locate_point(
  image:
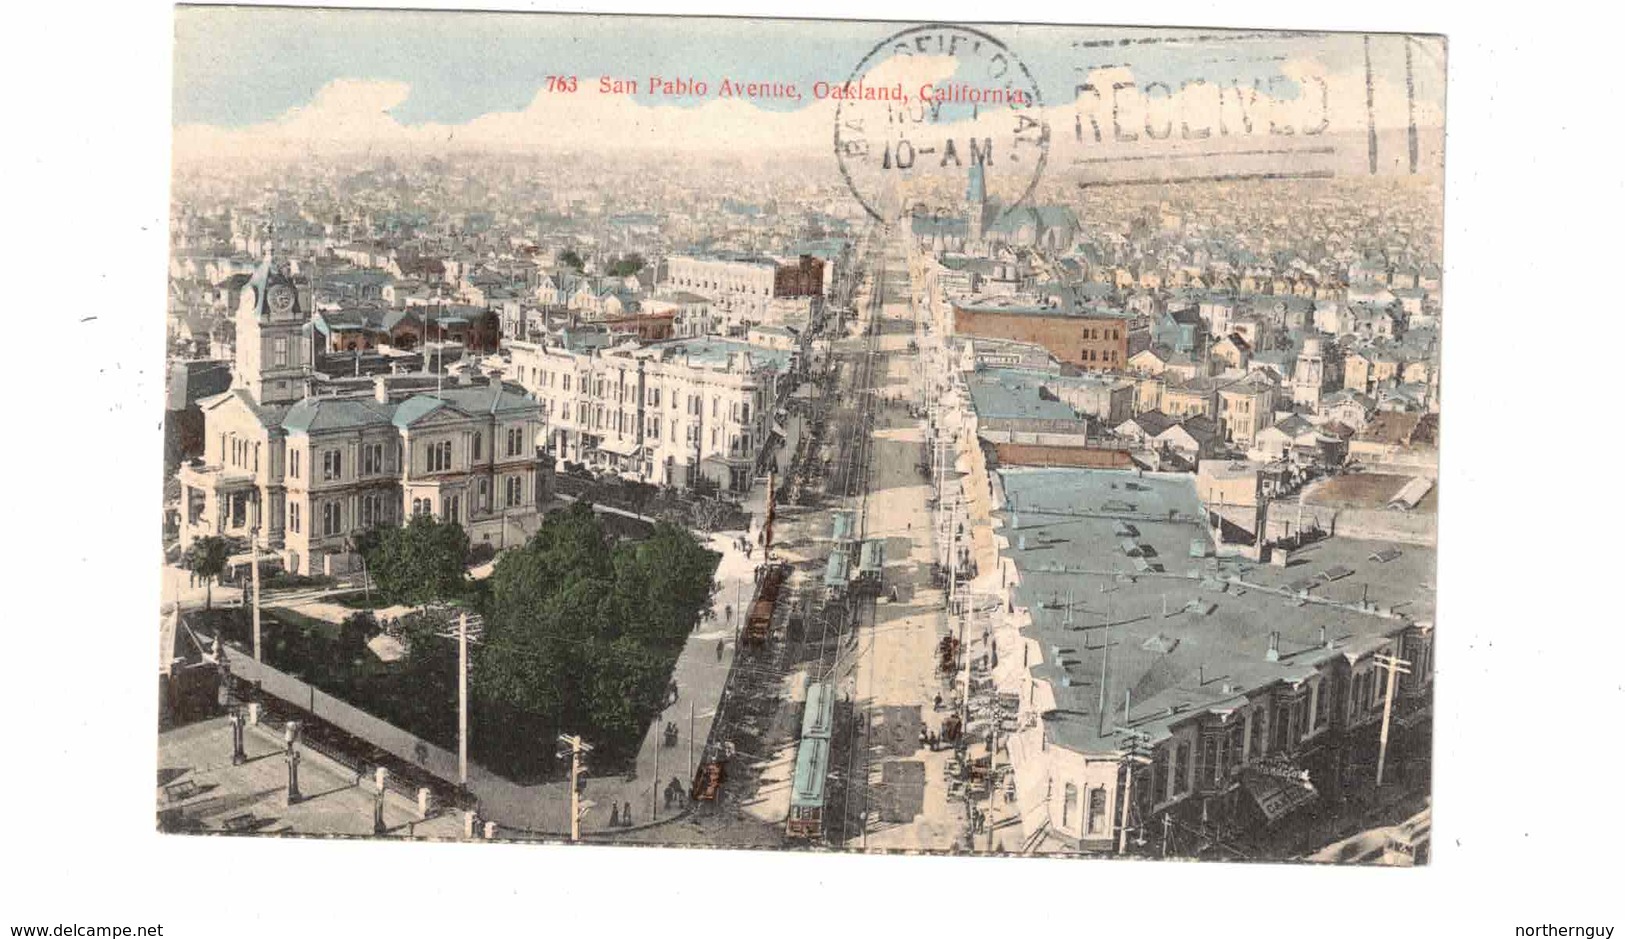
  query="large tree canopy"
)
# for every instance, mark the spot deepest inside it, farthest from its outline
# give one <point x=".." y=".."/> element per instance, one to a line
<point x="581" y="633"/>
<point x="418" y="563"/>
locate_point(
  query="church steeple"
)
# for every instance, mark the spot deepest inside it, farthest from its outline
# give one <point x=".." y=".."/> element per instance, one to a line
<point x="976" y="203"/>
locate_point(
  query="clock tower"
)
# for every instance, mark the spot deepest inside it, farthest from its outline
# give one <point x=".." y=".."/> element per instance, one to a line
<point x="273" y="345"/>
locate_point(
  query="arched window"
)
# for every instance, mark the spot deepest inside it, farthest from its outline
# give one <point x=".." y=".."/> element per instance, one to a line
<point x="1097" y="811"/>
<point x="477" y="445"/>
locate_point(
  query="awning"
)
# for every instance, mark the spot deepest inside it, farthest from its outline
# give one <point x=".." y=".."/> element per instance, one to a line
<point x="619" y="447"/>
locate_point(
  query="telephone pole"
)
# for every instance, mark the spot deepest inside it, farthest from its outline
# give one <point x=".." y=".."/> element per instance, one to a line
<point x="254" y="561"/>
<point x="1134" y="756"/>
<point x="1395" y="666"/>
<point x="462" y="700"/>
<point x="577" y="747"/>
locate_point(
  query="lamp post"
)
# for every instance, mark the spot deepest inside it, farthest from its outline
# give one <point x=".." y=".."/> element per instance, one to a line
<point x="291" y="754"/>
<point x="229" y="702"/>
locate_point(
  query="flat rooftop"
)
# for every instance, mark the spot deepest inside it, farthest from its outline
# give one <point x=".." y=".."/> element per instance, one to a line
<point x="998" y="393"/>
<point x="1365" y="491"/>
<point x="1121" y="548"/>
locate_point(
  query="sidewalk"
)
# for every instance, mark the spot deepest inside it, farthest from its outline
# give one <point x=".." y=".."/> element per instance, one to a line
<point x="334" y="803"/>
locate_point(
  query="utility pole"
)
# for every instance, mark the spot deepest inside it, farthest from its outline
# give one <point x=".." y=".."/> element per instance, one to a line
<point x="254" y="560"/>
<point x="691" y="739"/>
<point x="577" y="747"/>
<point x="1134" y="756"/>
<point x="462" y="700"/>
<point x="1396" y="667"/>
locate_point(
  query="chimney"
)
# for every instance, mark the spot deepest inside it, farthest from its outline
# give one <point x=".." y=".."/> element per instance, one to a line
<point x="1274" y="653"/>
<point x="1201" y="674"/>
<point x="1323" y="636"/>
<point x="380" y="389"/>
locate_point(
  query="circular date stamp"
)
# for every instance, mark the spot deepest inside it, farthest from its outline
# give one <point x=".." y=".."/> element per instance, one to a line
<point x="937" y="117"/>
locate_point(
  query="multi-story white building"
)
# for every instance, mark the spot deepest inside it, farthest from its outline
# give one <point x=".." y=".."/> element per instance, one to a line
<point x="303" y="473"/>
<point x="741" y="283"/>
<point x="667" y="413"/>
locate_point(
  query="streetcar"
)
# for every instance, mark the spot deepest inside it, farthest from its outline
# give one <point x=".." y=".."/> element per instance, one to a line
<point x="836" y="574"/>
<point x="759" y="619"/>
<point x="841" y="526"/>
<point x="806" y="818"/>
<point x="807" y="798"/>
<point x="871" y="563"/>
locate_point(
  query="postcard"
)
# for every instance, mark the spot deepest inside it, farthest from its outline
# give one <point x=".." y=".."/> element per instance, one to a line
<point x="802" y="434"/>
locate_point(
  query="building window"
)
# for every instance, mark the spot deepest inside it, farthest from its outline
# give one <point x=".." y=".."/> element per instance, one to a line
<point x="282" y="352"/>
<point x="1280" y="727"/>
<point x="1207" y="762"/>
<point x="372" y="510"/>
<point x="438" y="457"/>
<point x="478" y="445"/>
<point x="1069" y="805"/>
<point x="1161" y="771"/>
<point x="293" y="517"/>
<point x="483" y="501"/>
<point x="1097" y="810"/>
<point x="1182" y="768"/>
<point x="332" y="518"/>
<point x="372" y="459"/>
<point x="332" y="464"/>
<point x="293" y="463"/>
<point x="515" y="490"/>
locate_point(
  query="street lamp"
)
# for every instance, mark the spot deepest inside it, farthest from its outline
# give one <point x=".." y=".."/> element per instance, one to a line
<point x="229" y="703"/>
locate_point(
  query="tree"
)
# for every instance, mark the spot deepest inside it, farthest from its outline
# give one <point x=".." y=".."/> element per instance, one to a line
<point x="581" y="631"/>
<point x="707" y="512"/>
<point x="207" y="559"/>
<point x="627" y="266"/>
<point x="569" y="258"/>
<point x="420" y="562"/>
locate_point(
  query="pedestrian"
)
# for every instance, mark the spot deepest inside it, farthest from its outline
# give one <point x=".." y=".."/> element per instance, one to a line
<point x="719" y="650"/>
<point x="626" y="815"/>
<point x="728" y="613"/>
<point x="614" y="815"/>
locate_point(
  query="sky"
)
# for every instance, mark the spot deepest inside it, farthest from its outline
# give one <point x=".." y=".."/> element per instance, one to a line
<point x="258" y="77"/>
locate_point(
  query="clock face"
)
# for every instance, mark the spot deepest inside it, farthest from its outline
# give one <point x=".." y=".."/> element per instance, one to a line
<point x="281" y="298"/>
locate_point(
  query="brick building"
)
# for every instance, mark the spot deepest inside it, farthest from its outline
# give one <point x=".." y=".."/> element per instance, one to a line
<point x="1091" y="338"/>
<point x="805" y="278"/>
